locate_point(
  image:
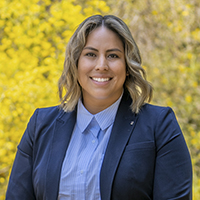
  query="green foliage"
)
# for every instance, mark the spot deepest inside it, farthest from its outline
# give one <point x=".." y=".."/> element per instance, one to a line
<point x="168" y="35"/>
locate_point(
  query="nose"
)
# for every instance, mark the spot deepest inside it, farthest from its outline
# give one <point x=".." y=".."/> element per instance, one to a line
<point x="101" y="63"/>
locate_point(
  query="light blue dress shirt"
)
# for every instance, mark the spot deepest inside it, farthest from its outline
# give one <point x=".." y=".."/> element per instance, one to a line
<point x="82" y="164"/>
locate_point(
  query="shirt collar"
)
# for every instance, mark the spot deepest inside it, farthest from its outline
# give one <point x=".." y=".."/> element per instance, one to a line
<point x="104" y="118"/>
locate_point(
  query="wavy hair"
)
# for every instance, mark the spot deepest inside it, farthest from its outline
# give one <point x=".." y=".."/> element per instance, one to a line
<point x="138" y="87"/>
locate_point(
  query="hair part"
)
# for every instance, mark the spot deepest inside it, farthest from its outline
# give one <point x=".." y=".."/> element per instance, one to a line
<point x="138" y="87"/>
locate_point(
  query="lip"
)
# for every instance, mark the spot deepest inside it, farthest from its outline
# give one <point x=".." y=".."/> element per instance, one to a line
<point x="100" y="81"/>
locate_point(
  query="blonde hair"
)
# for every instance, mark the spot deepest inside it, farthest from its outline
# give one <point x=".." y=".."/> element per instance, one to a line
<point x="138" y="87"/>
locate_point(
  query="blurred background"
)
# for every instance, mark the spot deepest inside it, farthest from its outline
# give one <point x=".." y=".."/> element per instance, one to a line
<point x="33" y="37"/>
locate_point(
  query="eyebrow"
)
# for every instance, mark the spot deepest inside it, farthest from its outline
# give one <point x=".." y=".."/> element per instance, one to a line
<point x="109" y="50"/>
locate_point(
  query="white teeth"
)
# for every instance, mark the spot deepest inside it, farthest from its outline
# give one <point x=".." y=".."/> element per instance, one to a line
<point x="100" y="79"/>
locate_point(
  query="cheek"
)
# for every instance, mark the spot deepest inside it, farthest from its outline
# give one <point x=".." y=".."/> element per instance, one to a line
<point x="122" y="73"/>
<point x="80" y="77"/>
<point x="122" y="77"/>
<point x="79" y="73"/>
<point x="82" y="74"/>
<point x="83" y="66"/>
<point x="80" y="68"/>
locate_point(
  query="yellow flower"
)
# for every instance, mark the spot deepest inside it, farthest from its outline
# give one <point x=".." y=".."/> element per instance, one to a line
<point x="188" y="99"/>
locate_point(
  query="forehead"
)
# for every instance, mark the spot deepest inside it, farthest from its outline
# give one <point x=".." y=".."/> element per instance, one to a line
<point x="102" y="36"/>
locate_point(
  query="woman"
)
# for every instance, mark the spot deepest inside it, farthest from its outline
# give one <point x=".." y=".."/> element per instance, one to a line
<point x="104" y="141"/>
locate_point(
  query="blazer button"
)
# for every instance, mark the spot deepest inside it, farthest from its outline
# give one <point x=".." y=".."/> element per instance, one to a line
<point x="132" y="123"/>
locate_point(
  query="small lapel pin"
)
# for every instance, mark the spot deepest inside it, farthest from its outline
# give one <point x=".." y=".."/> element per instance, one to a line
<point x="132" y="123"/>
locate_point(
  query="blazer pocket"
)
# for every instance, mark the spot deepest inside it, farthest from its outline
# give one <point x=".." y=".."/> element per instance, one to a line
<point x="140" y="146"/>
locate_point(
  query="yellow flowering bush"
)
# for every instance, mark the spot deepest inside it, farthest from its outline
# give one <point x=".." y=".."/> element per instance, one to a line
<point x="33" y="36"/>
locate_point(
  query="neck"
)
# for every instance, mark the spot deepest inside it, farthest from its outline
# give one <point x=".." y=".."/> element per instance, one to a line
<point x="96" y="106"/>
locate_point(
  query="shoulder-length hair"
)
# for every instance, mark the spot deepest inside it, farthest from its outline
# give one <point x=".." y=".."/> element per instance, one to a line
<point x="138" y="87"/>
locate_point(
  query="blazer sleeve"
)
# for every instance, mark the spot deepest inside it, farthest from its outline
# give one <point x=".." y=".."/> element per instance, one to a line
<point x="173" y="169"/>
<point x="20" y="184"/>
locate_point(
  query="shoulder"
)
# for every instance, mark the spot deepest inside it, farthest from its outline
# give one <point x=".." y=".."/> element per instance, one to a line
<point x="155" y="108"/>
<point x="162" y="120"/>
<point x="154" y="111"/>
<point x="43" y="117"/>
<point x="48" y="112"/>
<point x="158" y="117"/>
<point x="49" y="115"/>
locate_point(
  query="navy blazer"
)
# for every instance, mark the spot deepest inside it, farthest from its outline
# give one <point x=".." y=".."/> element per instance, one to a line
<point x="146" y="157"/>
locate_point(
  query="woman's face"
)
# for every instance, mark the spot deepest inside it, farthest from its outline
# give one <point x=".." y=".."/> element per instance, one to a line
<point x="101" y="69"/>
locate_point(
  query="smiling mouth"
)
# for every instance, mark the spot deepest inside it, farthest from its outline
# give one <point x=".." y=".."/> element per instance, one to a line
<point x="101" y="79"/>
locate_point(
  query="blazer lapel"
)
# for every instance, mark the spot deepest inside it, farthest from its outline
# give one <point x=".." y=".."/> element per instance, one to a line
<point x="122" y="129"/>
<point x="60" y="141"/>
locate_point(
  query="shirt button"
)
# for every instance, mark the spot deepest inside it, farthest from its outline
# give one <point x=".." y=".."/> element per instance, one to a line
<point x="93" y="141"/>
<point x="82" y="171"/>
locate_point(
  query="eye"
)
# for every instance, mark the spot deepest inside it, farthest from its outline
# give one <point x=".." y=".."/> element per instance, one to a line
<point x="90" y="54"/>
<point x="113" y="56"/>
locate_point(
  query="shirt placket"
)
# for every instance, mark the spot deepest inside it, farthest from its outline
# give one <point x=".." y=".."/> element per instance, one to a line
<point x="86" y="157"/>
